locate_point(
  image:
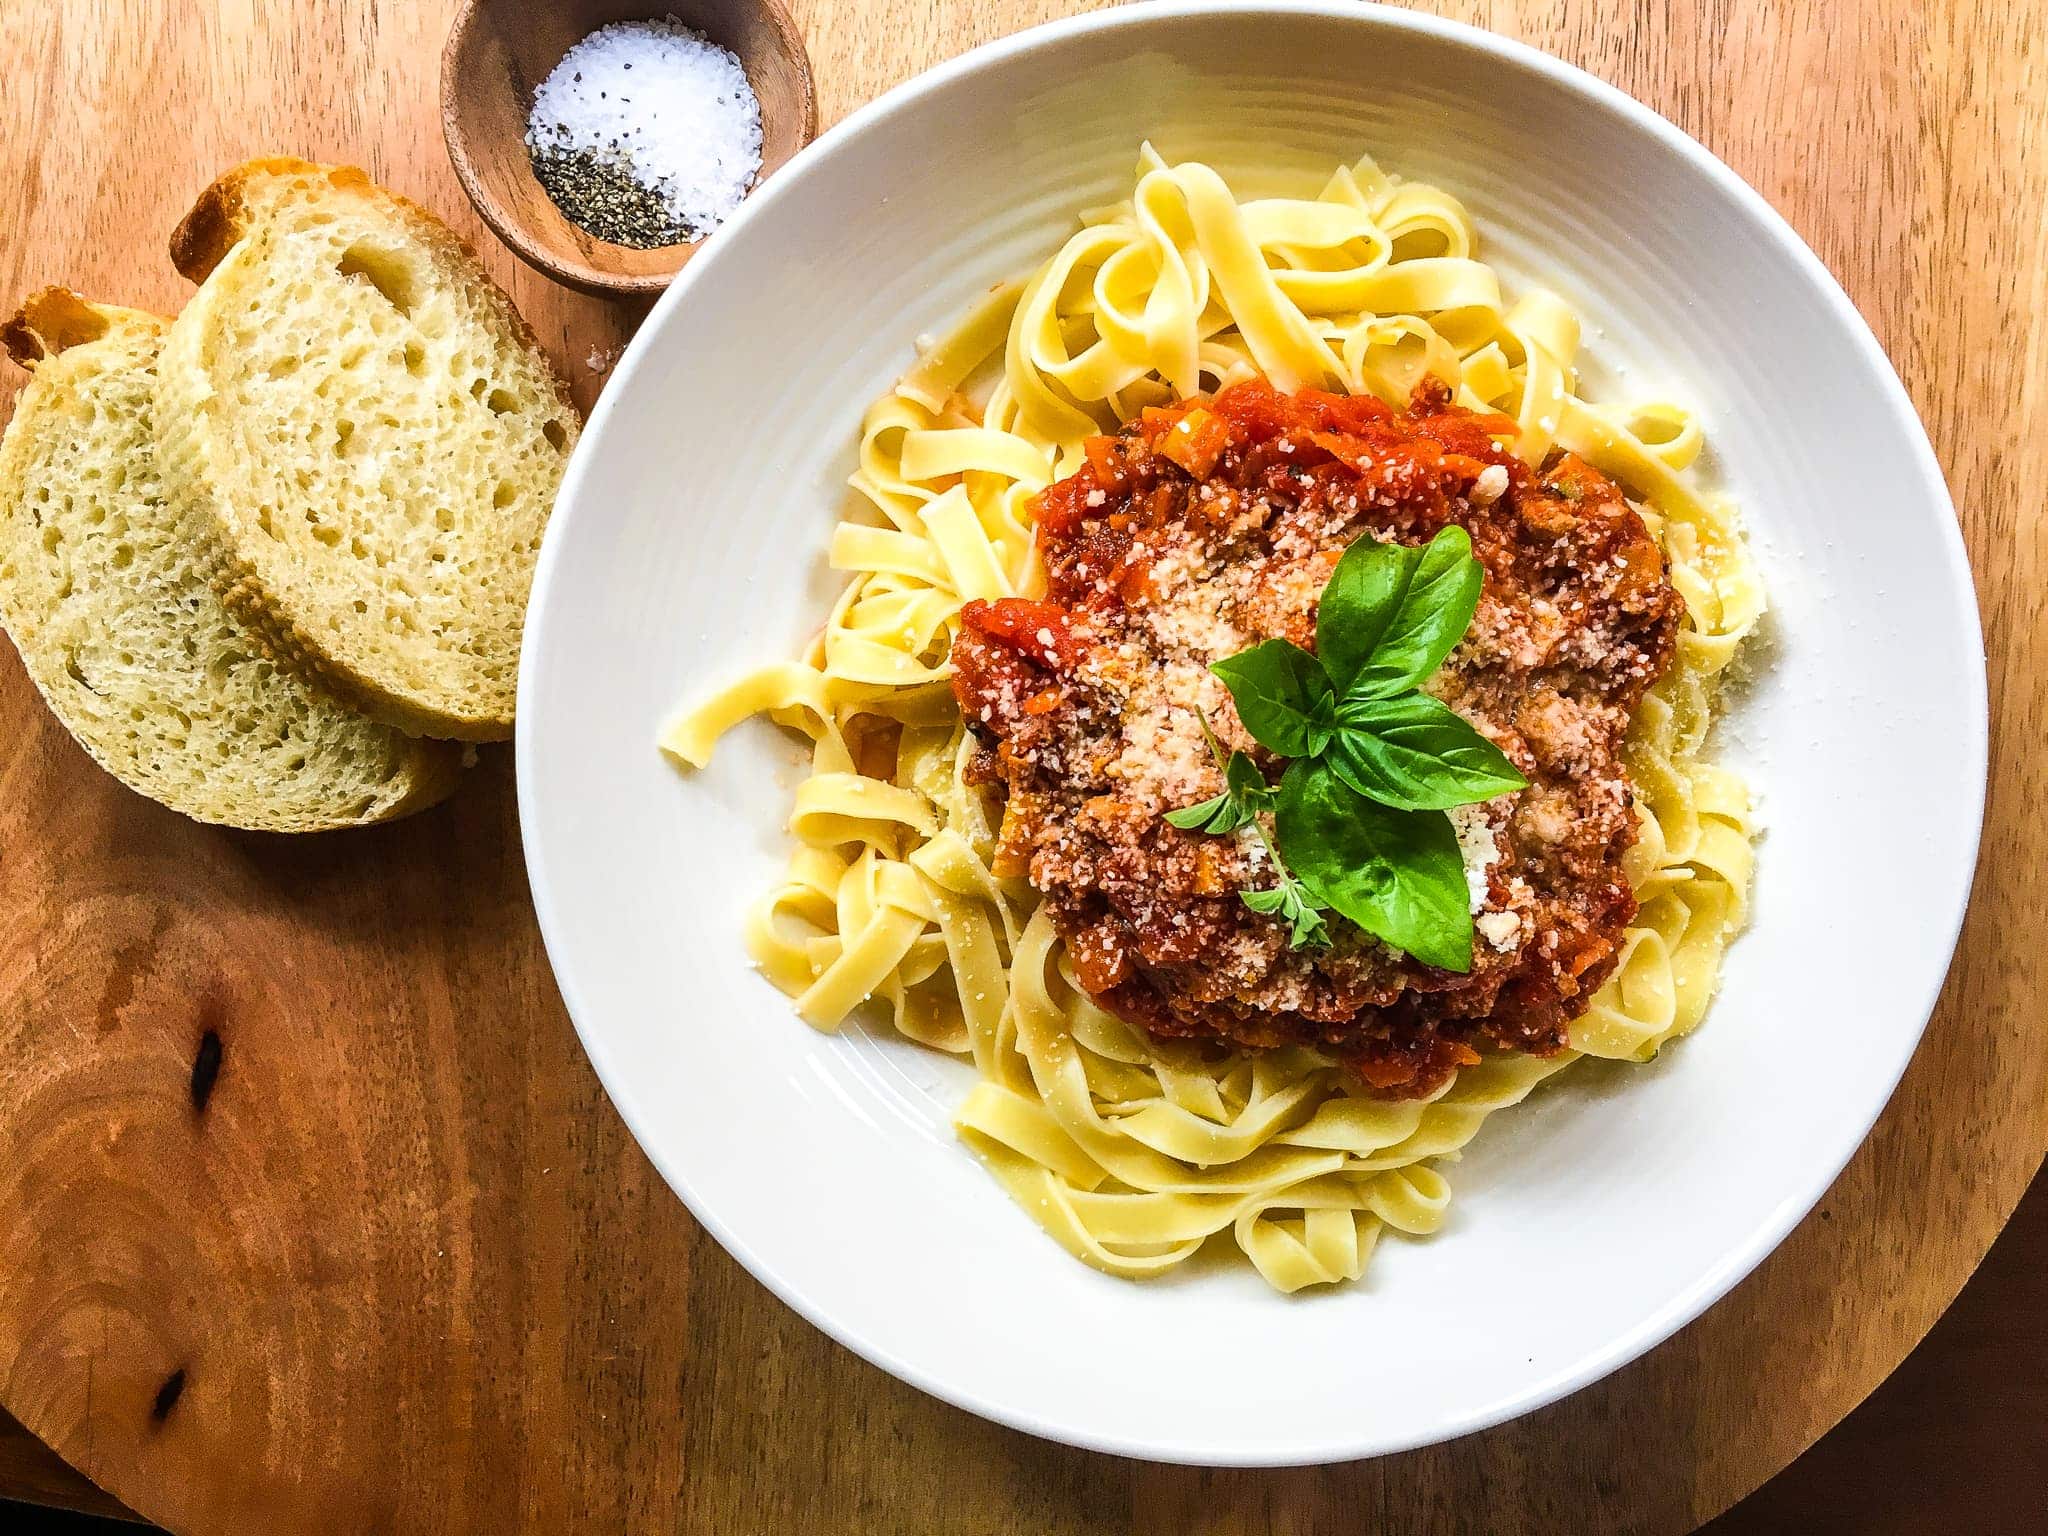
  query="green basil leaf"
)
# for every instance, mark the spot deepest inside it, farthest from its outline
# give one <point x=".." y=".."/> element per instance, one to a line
<point x="1416" y="753"/>
<point x="1283" y="697"/>
<point x="1397" y="874"/>
<point x="1308" y="930"/>
<point x="1391" y="613"/>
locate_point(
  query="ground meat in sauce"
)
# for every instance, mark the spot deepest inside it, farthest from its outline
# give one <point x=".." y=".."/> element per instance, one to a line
<point x="1206" y="527"/>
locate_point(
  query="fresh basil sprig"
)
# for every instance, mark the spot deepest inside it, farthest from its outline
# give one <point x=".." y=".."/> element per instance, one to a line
<point x="1416" y="753"/>
<point x="1397" y="874"/>
<point x="1391" y="613"/>
<point x="1359" y="814"/>
<point x="1286" y="692"/>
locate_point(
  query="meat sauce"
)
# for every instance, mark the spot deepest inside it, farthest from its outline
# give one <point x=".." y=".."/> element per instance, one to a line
<point x="1206" y="527"/>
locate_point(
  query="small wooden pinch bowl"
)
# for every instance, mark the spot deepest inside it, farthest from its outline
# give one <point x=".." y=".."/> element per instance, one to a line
<point x="497" y="53"/>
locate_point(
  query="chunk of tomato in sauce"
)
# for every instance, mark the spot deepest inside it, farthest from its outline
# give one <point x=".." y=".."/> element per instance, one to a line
<point x="1063" y="506"/>
<point x="1038" y="631"/>
<point x="1255" y="411"/>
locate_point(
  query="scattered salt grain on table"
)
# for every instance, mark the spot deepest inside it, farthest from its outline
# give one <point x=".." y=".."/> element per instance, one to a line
<point x="646" y="133"/>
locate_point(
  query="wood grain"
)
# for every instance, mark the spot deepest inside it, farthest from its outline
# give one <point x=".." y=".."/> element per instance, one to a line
<point x="406" y="1270"/>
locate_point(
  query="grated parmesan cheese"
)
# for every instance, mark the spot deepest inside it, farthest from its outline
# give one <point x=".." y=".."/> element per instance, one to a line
<point x="1478" y="849"/>
<point x="1165" y="758"/>
<point x="1491" y="485"/>
<point x="1500" y="929"/>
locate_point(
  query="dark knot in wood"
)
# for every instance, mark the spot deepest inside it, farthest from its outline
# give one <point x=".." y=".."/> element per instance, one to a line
<point x="205" y="1069"/>
<point x="167" y="1395"/>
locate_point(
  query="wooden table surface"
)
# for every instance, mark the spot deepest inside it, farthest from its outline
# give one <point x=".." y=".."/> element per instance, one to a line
<point x="1960" y="1430"/>
<point x="403" y="1268"/>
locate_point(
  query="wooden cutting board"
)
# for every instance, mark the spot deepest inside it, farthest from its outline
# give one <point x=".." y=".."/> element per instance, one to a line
<point x="312" y="1216"/>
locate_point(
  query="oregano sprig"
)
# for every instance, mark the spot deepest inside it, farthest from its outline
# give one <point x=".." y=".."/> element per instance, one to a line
<point x="1246" y="796"/>
<point x="1375" y="763"/>
<point x="1291" y="903"/>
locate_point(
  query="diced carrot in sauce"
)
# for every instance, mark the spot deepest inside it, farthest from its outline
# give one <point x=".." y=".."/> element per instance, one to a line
<point x="1196" y="442"/>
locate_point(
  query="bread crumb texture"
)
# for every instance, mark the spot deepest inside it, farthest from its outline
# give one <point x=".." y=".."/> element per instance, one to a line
<point x="376" y="438"/>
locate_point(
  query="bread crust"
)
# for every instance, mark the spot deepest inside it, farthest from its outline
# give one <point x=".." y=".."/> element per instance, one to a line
<point x="220" y="215"/>
<point x="53" y="319"/>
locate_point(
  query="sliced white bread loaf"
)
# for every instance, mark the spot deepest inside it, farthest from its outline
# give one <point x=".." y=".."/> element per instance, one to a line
<point x="110" y="606"/>
<point x="374" y="435"/>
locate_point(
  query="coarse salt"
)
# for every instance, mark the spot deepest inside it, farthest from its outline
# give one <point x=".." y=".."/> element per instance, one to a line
<point x="666" y="104"/>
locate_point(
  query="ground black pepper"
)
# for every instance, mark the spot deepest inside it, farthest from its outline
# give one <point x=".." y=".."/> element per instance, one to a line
<point x="600" y="194"/>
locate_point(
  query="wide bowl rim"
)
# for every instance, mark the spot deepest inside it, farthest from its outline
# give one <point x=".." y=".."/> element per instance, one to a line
<point x="1596" y="95"/>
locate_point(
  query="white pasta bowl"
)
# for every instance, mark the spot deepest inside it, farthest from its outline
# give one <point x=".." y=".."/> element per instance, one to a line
<point x="689" y="543"/>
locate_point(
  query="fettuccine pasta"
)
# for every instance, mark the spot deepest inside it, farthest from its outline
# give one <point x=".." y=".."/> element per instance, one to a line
<point x="1135" y="1152"/>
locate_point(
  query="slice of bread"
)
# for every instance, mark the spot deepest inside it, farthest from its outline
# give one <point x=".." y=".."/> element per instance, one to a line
<point x="109" y="604"/>
<point x="374" y="434"/>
